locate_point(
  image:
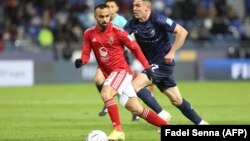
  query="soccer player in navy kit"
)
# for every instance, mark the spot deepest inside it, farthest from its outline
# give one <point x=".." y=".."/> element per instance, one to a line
<point x="150" y="29"/>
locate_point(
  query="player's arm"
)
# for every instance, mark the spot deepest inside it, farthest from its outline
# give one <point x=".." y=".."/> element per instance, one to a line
<point x="172" y="27"/>
<point x="86" y="49"/>
<point x="135" y="49"/>
<point x="181" y="34"/>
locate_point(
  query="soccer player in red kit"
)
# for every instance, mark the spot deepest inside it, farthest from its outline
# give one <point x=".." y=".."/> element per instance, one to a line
<point x="107" y="42"/>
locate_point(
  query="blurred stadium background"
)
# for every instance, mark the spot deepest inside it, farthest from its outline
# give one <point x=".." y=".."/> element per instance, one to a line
<point x="48" y="34"/>
<point x="39" y="41"/>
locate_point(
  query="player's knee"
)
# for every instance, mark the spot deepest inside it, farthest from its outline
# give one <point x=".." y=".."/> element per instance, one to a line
<point x="106" y="96"/>
<point x="176" y="101"/>
<point x="137" y="87"/>
<point x="98" y="80"/>
<point x="140" y="82"/>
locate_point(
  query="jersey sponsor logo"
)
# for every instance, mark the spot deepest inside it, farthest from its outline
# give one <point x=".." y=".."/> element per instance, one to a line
<point x="104" y="54"/>
<point x="103" y="51"/>
<point x="148" y="41"/>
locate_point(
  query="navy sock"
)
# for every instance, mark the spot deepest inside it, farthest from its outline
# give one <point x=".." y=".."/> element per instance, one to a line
<point x="99" y="87"/>
<point x="189" y="112"/>
<point x="146" y="96"/>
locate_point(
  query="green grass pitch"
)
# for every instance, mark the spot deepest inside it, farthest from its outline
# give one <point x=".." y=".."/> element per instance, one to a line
<point x="67" y="112"/>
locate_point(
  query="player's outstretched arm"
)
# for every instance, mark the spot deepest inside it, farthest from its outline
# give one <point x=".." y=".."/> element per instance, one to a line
<point x="86" y="49"/>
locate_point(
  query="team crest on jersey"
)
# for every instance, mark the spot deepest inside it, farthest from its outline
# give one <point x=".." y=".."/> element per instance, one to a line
<point x="110" y="40"/>
<point x="94" y="40"/>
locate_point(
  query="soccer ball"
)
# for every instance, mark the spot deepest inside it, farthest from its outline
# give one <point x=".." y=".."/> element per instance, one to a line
<point x="97" y="135"/>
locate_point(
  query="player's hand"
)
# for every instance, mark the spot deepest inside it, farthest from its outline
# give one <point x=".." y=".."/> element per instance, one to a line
<point x="169" y="58"/>
<point x="78" y="63"/>
<point x="150" y="74"/>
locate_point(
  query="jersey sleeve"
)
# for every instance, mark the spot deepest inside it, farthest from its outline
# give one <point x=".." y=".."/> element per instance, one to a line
<point x="165" y="22"/>
<point x="128" y="28"/>
<point x="123" y="22"/>
<point x="133" y="47"/>
<point x="120" y="21"/>
<point x="86" y="48"/>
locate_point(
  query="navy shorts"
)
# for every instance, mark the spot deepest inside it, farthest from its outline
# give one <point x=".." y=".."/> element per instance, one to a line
<point x="164" y="76"/>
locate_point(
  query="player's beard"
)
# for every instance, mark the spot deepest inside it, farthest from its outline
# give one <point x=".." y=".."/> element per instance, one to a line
<point x="103" y="26"/>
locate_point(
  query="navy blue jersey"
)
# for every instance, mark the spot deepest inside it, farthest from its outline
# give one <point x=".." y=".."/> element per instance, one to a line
<point x="152" y="36"/>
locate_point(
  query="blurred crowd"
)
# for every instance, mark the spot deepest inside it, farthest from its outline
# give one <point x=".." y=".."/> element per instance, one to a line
<point x="210" y="17"/>
<point x="58" y="25"/>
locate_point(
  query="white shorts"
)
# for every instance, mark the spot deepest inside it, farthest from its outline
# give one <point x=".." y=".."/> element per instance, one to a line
<point x="121" y="82"/>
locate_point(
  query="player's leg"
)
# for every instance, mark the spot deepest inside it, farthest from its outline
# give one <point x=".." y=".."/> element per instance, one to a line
<point x="168" y="86"/>
<point x="107" y="95"/>
<point x="114" y="83"/>
<point x="131" y="102"/>
<point x="146" y="96"/>
<point x="151" y="117"/>
<point x="99" y="80"/>
<point x="183" y="105"/>
<point x="140" y="81"/>
<point x="135" y="107"/>
<point x="151" y="88"/>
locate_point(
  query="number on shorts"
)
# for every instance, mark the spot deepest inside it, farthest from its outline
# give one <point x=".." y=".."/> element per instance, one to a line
<point x="154" y="67"/>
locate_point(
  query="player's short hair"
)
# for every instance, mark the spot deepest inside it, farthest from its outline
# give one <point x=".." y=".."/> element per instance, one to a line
<point x="115" y="1"/>
<point x="146" y="1"/>
<point x="101" y="6"/>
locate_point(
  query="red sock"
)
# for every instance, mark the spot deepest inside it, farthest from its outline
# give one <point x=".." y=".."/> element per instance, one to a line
<point x="113" y="114"/>
<point x="153" y="118"/>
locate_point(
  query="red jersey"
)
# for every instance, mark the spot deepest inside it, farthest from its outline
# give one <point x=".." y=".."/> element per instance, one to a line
<point x="108" y="47"/>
